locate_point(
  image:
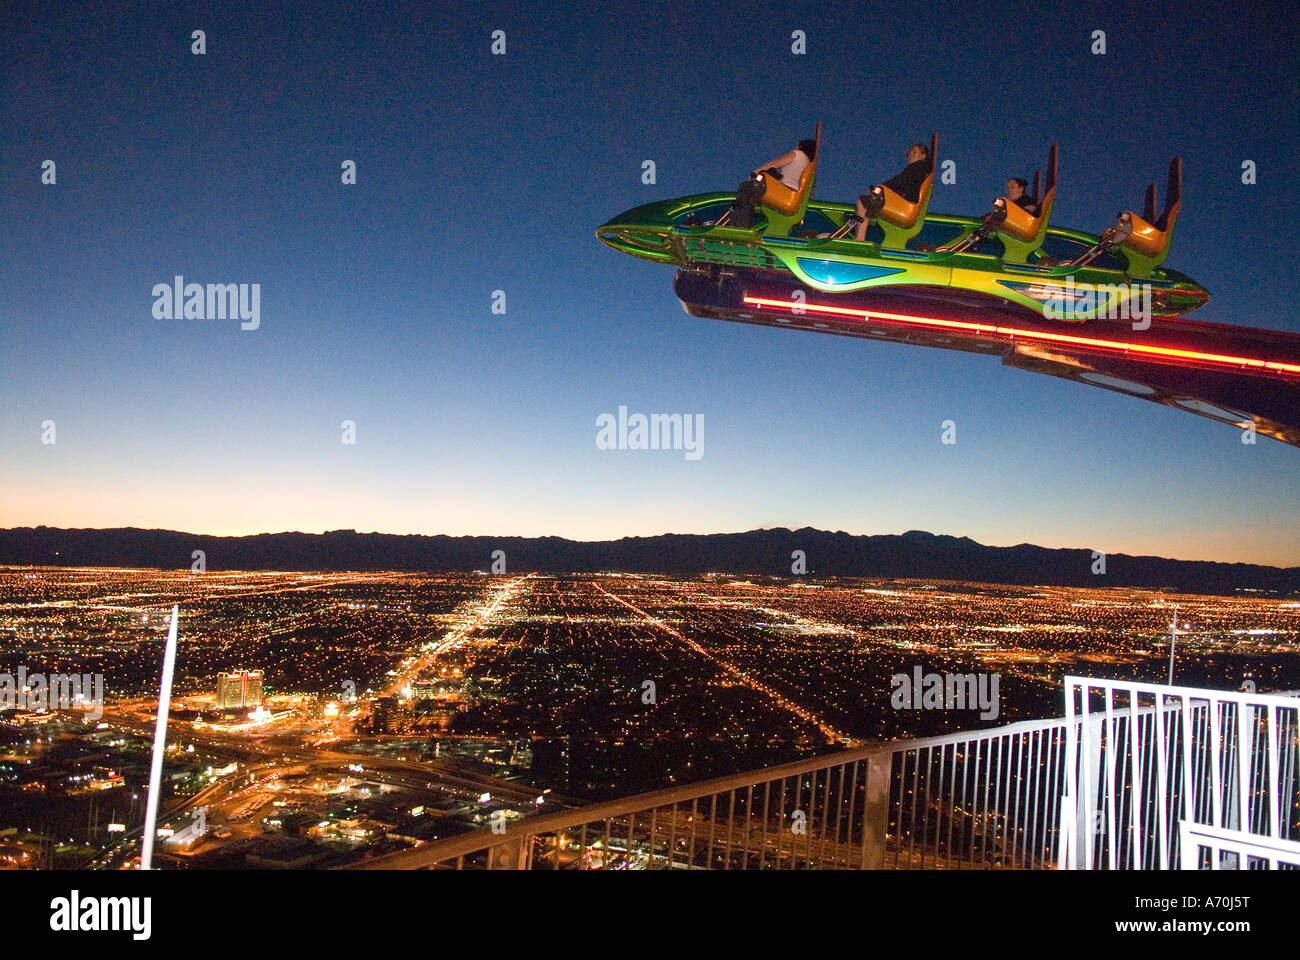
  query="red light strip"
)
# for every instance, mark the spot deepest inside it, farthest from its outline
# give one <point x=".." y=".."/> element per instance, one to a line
<point x="1170" y="352"/>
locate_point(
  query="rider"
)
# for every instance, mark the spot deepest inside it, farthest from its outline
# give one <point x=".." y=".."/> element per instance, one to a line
<point x="787" y="168"/>
<point x="1016" y="188"/>
<point x="1016" y="193"/>
<point x="907" y="184"/>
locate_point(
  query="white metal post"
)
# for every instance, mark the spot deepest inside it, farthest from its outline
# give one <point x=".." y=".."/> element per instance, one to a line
<point x="159" y="744"/>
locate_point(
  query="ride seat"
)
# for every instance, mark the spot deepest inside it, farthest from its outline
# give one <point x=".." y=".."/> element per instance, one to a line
<point x="902" y="212"/>
<point x="1151" y="235"/>
<point x="784" y="206"/>
<point x="1021" y="232"/>
<point x="777" y="196"/>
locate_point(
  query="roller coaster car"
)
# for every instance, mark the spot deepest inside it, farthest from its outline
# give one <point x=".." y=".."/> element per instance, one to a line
<point x="1008" y="260"/>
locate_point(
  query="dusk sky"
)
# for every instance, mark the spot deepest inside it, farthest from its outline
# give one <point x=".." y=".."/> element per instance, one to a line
<point x="478" y="173"/>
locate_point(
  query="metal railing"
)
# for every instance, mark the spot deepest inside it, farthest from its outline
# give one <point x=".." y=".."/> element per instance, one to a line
<point x="1144" y="761"/>
<point x="1120" y="778"/>
<point x="977" y="800"/>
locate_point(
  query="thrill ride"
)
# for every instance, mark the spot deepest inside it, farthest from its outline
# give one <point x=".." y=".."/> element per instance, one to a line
<point x="1100" y="309"/>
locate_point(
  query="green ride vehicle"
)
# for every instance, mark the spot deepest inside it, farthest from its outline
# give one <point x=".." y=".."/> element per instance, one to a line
<point x="1008" y="257"/>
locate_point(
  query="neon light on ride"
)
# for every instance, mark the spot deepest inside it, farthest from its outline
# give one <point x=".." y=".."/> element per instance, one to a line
<point x="1018" y="333"/>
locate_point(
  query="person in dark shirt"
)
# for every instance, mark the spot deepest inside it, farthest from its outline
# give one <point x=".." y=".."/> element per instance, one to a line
<point x="907" y="184"/>
<point x="1016" y="188"/>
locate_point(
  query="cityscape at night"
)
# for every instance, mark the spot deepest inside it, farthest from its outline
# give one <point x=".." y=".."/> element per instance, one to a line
<point x="319" y="719"/>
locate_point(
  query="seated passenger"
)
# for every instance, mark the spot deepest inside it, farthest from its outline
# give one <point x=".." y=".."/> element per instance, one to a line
<point x="1016" y="188"/>
<point x="787" y="168"/>
<point x="907" y="184"/>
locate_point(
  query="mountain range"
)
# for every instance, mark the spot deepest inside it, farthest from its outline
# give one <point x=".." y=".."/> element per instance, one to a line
<point x="771" y="552"/>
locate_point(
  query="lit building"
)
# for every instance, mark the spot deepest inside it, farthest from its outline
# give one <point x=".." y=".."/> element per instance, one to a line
<point x="239" y="689"/>
<point x="382" y="712"/>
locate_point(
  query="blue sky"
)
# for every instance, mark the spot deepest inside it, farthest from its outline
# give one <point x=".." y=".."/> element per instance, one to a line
<point x="480" y="172"/>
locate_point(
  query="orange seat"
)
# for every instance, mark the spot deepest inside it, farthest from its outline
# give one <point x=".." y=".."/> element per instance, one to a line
<point x="1150" y="236"/>
<point x="1019" y="222"/>
<point x="903" y="212"/>
<point x="782" y="198"/>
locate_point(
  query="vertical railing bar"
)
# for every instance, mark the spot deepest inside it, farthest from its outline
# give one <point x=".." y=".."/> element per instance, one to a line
<point x="853" y="796"/>
<point x="1068" y="769"/>
<point x="1148" y="820"/>
<point x="999" y="821"/>
<point x="1189" y="809"/>
<point x="1273" y="778"/>
<point x="1289" y="766"/>
<point x="839" y="812"/>
<point x="1258" y="755"/>
<point x="1007" y="749"/>
<point x="911" y="820"/>
<point x="631" y="829"/>
<point x="1024" y="800"/>
<point x="654" y="822"/>
<point x="826" y="814"/>
<point x="1052" y="823"/>
<point x="713" y="823"/>
<point x="811" y="822"/>
<point x="925" y="810"/>
<point x="1047" y="851"/>
<point x="1243" y="763"/>
<point x="1111" y="789"/>
<point x="1214" y="765"/>
<point x="796" y="806"/>
<point x="672" y="836"/>
<point x="744" y="848"/>
<point x="731" y="823"/>
<point x="1082" y="783"/>
<point x="866" y="809"/>
<point x="583" y="863"/>
<point x="1259" y="768"/>
<point x="1146" y="816"/>
<point x="1015" y="826"/>
<point x="893" y="814"/>
<point x="952" y="807"/>
<point x="1201" y="777"/>
<point x="604" y="854"/>
<point x="983" y="834"/>
<point x="1135" y="787"/>
<point x="690" y="857"/>
<point x="940" y="806"/>
<point x="762" y="851"/>
<point x="969" y="817"/>
<point x="780" y="833"/>
<point x="1027" y="860"/>
<point x="1166" y="722"/>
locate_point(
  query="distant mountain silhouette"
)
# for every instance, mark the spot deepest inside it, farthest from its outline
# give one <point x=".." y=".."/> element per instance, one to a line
<point x="915" y="554"/>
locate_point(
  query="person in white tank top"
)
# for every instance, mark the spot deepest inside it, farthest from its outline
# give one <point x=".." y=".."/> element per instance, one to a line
<point x="790" y="166"/>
